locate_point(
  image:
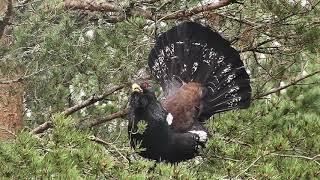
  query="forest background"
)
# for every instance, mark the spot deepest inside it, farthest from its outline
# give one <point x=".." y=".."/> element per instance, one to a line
<point x="66" y="68"/>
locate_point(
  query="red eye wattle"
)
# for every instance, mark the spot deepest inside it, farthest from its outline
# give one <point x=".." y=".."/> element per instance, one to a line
<point x="145" y="85"/>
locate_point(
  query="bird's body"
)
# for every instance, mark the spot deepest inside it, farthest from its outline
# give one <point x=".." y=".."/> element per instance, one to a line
<point x="159" y="140"/>
<point x="201" y="74"/>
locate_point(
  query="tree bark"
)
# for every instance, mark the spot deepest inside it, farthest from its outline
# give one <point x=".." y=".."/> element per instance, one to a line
<point x="11" y="109"/>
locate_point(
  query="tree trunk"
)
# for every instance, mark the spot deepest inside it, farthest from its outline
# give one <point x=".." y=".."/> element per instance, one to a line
<point x="11" y="109"/>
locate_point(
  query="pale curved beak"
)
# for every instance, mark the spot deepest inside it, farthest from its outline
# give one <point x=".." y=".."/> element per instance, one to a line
<point x="136" y="88"/>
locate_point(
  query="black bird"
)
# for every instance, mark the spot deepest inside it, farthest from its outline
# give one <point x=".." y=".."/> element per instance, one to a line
<point x="201" y="75"/>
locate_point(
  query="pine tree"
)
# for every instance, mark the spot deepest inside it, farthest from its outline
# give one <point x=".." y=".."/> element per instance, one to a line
<point x="76" y="61"/>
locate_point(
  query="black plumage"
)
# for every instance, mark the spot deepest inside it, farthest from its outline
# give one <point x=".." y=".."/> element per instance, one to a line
<point x="201" y="74"/>
<point x="158" y="141"/>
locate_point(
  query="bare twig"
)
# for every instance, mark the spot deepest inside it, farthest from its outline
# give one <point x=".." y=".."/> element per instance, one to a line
<point x="228" y="139"/>
<point x="104" y="143"/>
<point x="91" y="100"/>
<point x="226" y="158"/>
<point x="256" y="47"/>
<point x="294" y="82"/>
<point x="314" y="158"/>
<point x="115" y="115"/>
<point x="148" y="1"/>
<point x="241" y="21"/>
<point x="245" y="170"/>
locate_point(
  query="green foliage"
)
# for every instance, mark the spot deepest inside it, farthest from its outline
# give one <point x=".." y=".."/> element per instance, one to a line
<point x="67" y="153"/>
<point x="282" y="133"/>
<point x="279" y="136"/>
<point x="142" y="126"/>
<point x="276" y="138"/>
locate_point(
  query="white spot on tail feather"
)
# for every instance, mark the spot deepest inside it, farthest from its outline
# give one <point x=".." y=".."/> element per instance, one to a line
<point x="212" y="53"/>
<point x="184" y="69"/>
<point x="169" y="118"/>
<point x="230" y="77"/>
<point x="227" y="69"/>
<point x="194" y="67"/>
<point x="207" y="61"/>
<point x="202" y="135"/>
<point x="234" y="89"/>
<point x="220" y="59"/>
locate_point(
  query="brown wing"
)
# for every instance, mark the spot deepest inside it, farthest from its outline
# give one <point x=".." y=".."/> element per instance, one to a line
<point x="184" y="105"/>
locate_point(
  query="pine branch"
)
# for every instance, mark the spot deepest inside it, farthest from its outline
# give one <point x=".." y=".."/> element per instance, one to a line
<point x="22" y="78"/>
<point x="91" y="100"/>
<point x="21" y="3"/>
<point x="294" y="82"/>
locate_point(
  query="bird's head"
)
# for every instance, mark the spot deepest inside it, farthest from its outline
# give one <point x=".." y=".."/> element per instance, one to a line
<point x="141" y="95"/>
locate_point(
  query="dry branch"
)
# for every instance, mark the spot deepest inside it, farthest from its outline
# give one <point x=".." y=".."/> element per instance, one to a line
<point x="252" y="164"/>
<point x="136" y="11"/>
<point x="92" y="5"/>
<point x="43" y="127"/>
<point x="110" y="117"/>
<point x="294" y="82"/>
<point x="91" y="100"/>
<point x="149" y="1"/>
<point x="195" y="10"/>
<point x="314" y="158"/>
<point x="104" y="143"/>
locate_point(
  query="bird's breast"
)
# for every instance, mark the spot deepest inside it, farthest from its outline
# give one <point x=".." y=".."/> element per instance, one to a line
<point x="183" y="105"/>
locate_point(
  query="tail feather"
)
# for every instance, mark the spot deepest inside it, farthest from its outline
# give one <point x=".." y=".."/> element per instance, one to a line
<point x="191" y="52"/>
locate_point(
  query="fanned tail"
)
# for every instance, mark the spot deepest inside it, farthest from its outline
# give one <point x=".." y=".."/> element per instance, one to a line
<point x="191" y="52"/>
